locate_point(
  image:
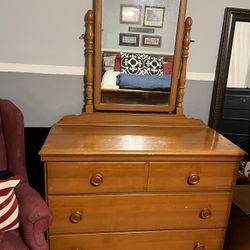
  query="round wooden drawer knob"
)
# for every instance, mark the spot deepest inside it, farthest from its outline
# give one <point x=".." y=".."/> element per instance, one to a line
<point x="199" y="246"/>
<point x="193" y="179"/>
<point x="205" y="213"/>
<point x="96" y="180"/>
<point x="75" y="217"/>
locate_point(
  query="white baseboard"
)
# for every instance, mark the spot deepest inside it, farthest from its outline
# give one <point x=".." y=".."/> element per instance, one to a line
<point x="195" y="76"/>
<point x="41" y="69"/>
<point x="77" y="71"/>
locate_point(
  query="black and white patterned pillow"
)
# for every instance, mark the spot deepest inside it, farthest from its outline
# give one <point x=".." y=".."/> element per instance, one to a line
<point x="141" y="64"/>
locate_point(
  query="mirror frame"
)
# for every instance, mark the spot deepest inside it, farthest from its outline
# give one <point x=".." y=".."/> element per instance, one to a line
<point x="231" y="16"/>
<point x="175" y="74"/>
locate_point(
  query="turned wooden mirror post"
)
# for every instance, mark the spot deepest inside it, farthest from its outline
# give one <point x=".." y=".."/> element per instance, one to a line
<point x="185" y="54"/>
<point x="169" y="101"/>
<point x="89" y="60"/>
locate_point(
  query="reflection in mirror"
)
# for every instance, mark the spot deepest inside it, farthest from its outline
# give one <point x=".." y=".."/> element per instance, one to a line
<point x="232" y="78"/>
<point x="137" y="47"/>
<point x="239" y="69"/>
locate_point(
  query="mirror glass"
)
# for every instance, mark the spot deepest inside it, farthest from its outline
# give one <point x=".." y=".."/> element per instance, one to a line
<point x="137" y="51"/>
<point x="232" y="77"/>
<point x="239" y="69"/>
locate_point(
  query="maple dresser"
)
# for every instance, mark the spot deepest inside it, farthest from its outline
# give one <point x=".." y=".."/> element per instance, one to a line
<point x="138" y="182"/>
<point x="132" y="172"/>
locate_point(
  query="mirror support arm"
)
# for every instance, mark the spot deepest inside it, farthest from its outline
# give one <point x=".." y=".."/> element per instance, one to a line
<point x="89" y="62"/>
<point x="185" y="54"/>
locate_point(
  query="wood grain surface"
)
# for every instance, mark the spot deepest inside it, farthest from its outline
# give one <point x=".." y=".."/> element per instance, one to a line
<point x="75" y="177"/>
<point x="173" y="176"/>
<point x="163" y="240"/>
<point x="110" y="213"/>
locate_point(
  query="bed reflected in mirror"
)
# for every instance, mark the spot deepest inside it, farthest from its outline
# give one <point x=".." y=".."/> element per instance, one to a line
<point x="133" y="78"/>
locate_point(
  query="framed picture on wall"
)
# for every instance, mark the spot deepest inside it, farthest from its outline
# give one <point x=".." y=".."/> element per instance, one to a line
<point x="130" y="14"/>
<point x="127" y="39"/>
<point x="154" y="16"/>
<point x="141" y="30"/>
<point x="151" y="41"/>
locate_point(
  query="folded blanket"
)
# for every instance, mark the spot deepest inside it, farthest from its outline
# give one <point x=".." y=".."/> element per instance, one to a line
<point x="127" y="81"/>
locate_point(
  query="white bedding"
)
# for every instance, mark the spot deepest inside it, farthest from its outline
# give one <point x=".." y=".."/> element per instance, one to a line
<point x="109" y="80"/>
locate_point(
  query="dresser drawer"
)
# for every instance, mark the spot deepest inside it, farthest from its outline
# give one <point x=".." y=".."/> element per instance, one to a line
<point x="235" y="126"/>
<point x="80" y="177"/>
<point x="172" y="240"/>
<point x="107" y="213"/>
<point x="188" y="176"/>
<point x="237" y="101"/>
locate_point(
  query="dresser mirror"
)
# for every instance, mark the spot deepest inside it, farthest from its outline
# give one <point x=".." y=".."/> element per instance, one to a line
<point x="233" y="65"/>
<point x="137" y="54"/>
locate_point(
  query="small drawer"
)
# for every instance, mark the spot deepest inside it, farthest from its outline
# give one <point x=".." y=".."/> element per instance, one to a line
<point x="237" y="101"/>
<point x="184" y="240"/>
<point x="80" y="177"/>
<point x="236" y="113"/>
<point x="235" y="126"/>
<point x="188" y="176"/>
<point x="135" y="212"/>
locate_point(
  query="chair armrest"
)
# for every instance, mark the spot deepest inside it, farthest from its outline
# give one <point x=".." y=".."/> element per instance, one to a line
<point x="34" y="216"/>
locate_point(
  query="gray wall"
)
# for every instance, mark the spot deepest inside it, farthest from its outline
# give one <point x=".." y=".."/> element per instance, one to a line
<point x="44" y="99"/>
<point x="42" y="32"/>
<point x="206" y="31"/>
<point x="46" y="33"/>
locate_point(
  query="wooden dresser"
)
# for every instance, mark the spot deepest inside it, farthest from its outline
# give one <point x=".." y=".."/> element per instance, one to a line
<point x="132" y="172"/>
<point x="138" y="182"/>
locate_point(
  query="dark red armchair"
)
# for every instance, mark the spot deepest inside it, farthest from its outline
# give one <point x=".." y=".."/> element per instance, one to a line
<point x="34" y="214"/>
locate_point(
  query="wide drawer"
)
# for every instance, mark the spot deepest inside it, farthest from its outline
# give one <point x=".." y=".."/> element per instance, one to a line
<point x="164" y="240"/>
<point x="236" y="126"/>
<point x="107" y="213"/>
<point x="188" y="176"/>
<point x="237" y="101"/>
<point x="80" y="177"/>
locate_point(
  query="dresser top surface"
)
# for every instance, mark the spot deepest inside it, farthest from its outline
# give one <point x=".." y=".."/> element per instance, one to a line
<point x="80" y="140"/>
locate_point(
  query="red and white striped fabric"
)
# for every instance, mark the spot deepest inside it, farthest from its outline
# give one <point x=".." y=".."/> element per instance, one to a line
<point x="8" y="204"/>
